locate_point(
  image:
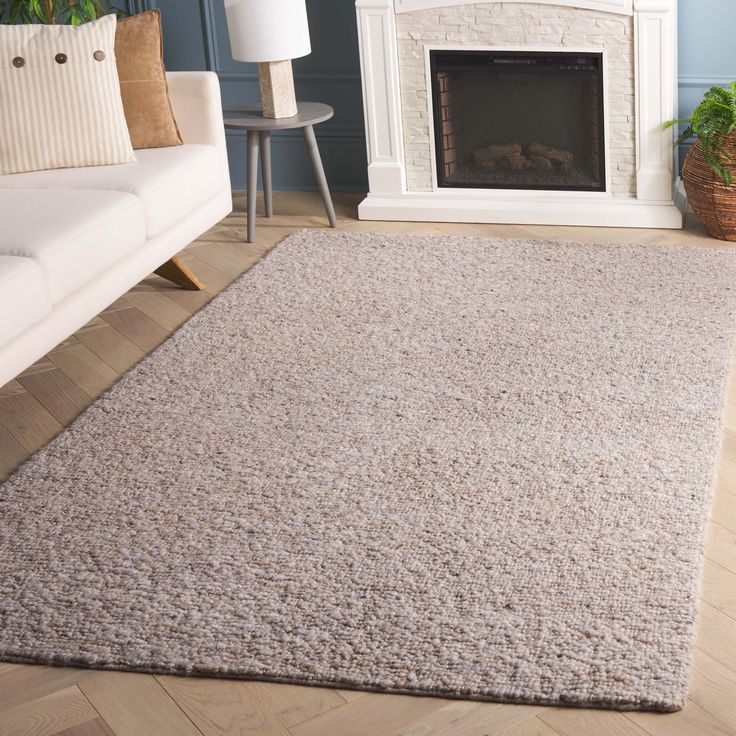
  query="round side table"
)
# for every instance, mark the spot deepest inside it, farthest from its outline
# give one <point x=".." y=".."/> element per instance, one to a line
<point x="258" y="128"/>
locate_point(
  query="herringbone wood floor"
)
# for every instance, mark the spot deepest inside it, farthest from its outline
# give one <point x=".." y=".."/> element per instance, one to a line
<point x="43" y="700"/>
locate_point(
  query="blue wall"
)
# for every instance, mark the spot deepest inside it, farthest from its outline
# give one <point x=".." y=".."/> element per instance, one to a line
<point x="707" y="50"/>
<point x="196" y="38"/>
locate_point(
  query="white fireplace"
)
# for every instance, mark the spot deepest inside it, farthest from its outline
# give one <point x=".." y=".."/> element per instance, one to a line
<point x="457" y="131"/>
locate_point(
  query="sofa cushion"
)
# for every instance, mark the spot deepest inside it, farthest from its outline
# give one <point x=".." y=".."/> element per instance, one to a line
<point x="23" y="296"/>
<point x="170" y="182"/>
<point x="71" y="235"/>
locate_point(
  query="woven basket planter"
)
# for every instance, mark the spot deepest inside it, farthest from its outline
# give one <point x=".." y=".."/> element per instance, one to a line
<point x="714" y="203"/>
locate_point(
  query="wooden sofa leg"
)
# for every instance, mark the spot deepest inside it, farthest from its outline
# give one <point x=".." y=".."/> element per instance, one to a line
<point x="176" y="271"/>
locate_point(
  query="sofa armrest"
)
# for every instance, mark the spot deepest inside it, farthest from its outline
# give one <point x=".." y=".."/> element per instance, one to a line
<point x="197" y="106"/>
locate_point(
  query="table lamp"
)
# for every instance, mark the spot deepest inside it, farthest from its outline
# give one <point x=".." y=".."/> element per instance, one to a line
<point x="272" y="33"/>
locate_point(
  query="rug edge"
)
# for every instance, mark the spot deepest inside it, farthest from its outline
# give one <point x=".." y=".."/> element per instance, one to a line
<point x="666" y="705"/>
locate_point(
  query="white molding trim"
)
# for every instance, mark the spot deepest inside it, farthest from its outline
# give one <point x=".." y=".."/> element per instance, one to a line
<point x="655" y="91"/>
<point x="689" y="80"/>
<point x="622" y="7"/>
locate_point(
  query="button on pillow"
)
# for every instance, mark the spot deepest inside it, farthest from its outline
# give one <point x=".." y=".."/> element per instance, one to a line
<point x="60" y="103"/>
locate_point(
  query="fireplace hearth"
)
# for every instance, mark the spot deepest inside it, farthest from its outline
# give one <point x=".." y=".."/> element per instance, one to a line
<point x="519" y="120"/>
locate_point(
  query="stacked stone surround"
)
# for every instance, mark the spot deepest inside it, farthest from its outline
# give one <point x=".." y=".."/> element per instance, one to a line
<point x="517" y="25"/>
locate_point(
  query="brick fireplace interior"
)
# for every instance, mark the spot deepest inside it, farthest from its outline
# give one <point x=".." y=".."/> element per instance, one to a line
<point x="519" y="120"/>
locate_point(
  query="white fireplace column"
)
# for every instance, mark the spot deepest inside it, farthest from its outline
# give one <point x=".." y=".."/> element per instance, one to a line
<point x="381" y="96"/>
<point x="389" y="197"/>
<point x="656" y="81"/>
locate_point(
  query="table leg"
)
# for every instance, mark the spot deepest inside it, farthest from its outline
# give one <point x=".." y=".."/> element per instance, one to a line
<point x="319" y="173"/>
<point x="252" y="166"/>
<point x="265" y="143"/>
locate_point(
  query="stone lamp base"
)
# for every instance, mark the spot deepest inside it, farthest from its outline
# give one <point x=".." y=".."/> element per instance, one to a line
<point x="277" y="89"/>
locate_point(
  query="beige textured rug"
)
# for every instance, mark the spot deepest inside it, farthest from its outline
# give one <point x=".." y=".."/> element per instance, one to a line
<point x="452" y="466"/>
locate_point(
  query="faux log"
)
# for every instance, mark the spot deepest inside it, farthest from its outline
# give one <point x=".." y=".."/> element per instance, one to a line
<point x="490" y="164"/>
<point x="540" y="162"/>
<point x="512" y="156"/>
<point x="555" y="154"/>
<point x="515" y="163"/>
<point x="497" y="151"/>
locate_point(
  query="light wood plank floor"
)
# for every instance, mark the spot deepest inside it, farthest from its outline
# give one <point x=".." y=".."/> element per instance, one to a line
<point x="42" y="701"/>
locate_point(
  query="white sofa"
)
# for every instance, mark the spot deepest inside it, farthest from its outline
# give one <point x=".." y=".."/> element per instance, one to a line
<point x="72" y="241"/>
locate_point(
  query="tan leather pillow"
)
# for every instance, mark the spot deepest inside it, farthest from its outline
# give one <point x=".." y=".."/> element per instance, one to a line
<point x="140" y="59"/>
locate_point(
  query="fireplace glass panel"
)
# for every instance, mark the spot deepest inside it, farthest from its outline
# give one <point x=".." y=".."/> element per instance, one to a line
<point x="508" y="120"/>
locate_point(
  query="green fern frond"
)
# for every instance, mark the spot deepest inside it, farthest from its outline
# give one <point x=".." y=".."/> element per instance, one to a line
<point x="685" y="135"/>
<point x="712" y="120"/>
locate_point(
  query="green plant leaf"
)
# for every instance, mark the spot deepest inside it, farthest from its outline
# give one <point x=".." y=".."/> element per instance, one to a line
<point x="62" y="11"/>
<point x="712" y="120"/>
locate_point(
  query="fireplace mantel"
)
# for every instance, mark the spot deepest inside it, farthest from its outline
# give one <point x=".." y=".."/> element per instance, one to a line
<point x="623" y="7"/>
<point x="656" y="201"/>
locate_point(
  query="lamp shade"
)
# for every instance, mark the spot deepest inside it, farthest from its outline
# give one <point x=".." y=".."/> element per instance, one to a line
<point x="267" y="30"/>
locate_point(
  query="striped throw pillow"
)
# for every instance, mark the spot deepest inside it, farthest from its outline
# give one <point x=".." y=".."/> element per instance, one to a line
<point x="60" y="103"/>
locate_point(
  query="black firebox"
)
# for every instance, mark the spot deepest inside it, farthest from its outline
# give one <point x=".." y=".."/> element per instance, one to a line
<point x="519" y="120"/>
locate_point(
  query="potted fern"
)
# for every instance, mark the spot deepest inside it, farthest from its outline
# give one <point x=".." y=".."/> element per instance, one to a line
<point x="710" y="166"/>
<point x="53" y="11"/>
